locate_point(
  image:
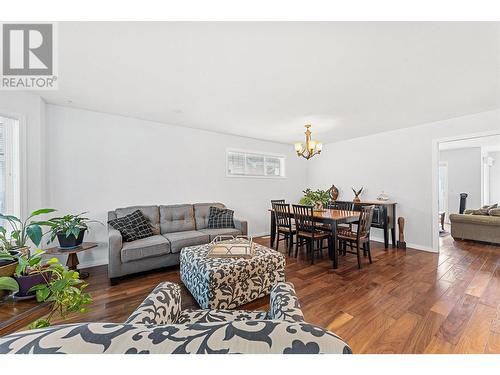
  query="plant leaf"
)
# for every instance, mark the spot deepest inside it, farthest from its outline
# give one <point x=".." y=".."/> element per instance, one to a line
<point x="42" y="211"/>
<point x="35" y="234"/>
<point x="8" y="283"/>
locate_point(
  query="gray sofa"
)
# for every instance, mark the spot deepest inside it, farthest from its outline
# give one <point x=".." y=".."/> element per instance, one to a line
<point x="159" y="326"/>
<point x="174" y="227"/>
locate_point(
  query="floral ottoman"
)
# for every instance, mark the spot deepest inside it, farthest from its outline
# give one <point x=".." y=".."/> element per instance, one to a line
<point x="225" y="283"/>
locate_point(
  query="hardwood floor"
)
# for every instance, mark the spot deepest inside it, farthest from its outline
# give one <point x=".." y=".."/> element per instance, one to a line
<point x="405" y="302"/>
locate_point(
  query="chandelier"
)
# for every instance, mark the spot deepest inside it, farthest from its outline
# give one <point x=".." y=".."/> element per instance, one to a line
<point x="310" y="148"/>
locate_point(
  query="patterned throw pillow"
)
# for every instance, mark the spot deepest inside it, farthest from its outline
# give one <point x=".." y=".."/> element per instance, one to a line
<point x="220" y="218"/>
<point x="133" y="226"/>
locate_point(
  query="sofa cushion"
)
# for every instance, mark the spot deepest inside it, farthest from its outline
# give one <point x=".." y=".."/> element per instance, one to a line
<point x="145" y="248"/>
<point x="201" y="213"/>
<point x="178" y="240"/>
<point x="220" y="218"/>
<point x="221" y="232"/>
<point x="151" y="212"/>
<point x="176" y="218"/>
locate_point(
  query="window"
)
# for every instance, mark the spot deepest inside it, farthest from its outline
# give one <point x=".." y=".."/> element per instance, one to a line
<point x="248" y="164"/>
<point x="9" y="166"/>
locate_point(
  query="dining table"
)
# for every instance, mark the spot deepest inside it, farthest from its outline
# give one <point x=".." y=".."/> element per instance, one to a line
<point x="327" y="216"/>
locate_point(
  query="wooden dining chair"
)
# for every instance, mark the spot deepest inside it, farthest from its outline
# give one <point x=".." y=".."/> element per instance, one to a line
<point x="342" y="206"/>
<point x="284" y="225"/>
<point x="273" y="202"/>
<point x="359" y="238"/>
<point x="307" y="231"/>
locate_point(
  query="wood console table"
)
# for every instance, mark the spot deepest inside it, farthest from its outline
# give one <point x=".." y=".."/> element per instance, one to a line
<point x="384" y="217"/>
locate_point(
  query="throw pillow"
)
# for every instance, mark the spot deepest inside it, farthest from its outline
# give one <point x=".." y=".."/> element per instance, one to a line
<point x="123" y="225"/>
<point x="141" y="225"/>
<point x="133" y="226"/>
<point x="481" y="211"/>
<point x="220" y="218"/>
<point x="494" y="212"/>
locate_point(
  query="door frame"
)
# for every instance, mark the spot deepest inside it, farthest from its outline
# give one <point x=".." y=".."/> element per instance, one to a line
<point x="434" y="177"/>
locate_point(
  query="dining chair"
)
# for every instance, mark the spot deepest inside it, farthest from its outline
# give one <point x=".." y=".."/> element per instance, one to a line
<point x="308" y="232"/>
<point x="361" y="237"/>
<point x="343" y="206"/>
<point x="273" y="202"/>
<point x="284" y="225"/>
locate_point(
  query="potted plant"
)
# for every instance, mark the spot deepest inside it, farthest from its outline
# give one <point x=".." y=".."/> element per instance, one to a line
<point x="318" y="198"/>
<point x="64" y="289"/>
<point x="8" y="264"/>
<point x="69" y="230"/>
<point x="60" y="286"/>
<point x="30" y="271"/>
<point x="22" y="231"/>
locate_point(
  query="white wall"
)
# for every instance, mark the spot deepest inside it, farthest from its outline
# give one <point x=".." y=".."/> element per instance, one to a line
<point x="494" y="177"/>
<point x="400" y="163"/>
<point x="97" y="162"/>
<point x="464" y="176"/>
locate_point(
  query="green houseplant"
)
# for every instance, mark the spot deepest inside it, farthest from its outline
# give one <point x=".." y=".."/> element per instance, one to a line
<point x="21" y="230"/>
<point x="64" y="289"/>
<point x="69" y="230"/>
<point x="51" y="282"/>
<point x="317" y="198"/>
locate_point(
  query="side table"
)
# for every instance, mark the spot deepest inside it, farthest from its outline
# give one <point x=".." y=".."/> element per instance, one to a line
<point x="72" y="254"/>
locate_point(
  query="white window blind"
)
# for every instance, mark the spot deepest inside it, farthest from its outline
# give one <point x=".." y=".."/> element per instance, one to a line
<point x="248" y="164"/>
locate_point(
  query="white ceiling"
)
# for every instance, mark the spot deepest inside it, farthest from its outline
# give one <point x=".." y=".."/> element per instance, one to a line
<point x="266" y="80"/>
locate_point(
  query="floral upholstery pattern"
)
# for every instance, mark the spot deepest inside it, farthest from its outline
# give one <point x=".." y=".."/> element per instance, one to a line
<point x="285" y="304"/>
<point x="207" y="316"/>
<point x="162" y="306"/>
<point x="158" y="329"/>
<point x="226" y="283"/>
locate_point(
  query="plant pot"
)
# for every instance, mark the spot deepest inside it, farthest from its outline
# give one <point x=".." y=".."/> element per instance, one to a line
<point x="356" y="200"/>
<point x="27" y="282"/>
<point x="70" y="242"/>
<point x="24" y="250"/>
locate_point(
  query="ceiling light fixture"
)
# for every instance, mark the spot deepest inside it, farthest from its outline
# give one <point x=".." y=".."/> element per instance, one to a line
<point x="310" y="148"/>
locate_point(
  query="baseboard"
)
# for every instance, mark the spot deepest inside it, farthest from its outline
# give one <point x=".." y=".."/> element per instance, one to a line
<point x="94" y="263"/>
<point x="408" y="245"/>
<point x="262" y="234"/>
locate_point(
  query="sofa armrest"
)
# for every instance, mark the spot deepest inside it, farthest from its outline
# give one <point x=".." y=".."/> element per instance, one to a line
<point x="162" y="306"/>
<point x="115" y="244"/>
<point x="241" y="225"/>
<point x="284" y="304"/>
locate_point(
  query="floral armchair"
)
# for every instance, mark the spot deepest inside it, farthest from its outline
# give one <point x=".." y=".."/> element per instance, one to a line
<point x="159" y="325"/>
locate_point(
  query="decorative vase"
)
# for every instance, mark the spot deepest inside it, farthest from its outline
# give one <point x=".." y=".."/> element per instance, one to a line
<point x="70" y="242"/>
<point x="356" y="199"/>
<point x="334" y="193"/>
<point x="318" y="206"/>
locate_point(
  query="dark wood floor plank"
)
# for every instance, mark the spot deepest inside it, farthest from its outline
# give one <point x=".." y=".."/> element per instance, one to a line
<point x="407" y="301"/>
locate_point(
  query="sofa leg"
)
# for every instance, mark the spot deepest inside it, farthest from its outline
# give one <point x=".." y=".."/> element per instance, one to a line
<point x="114" y="280"/>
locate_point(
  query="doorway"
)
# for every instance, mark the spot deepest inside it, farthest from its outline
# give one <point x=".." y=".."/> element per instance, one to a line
<point x="467" y="176"/>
